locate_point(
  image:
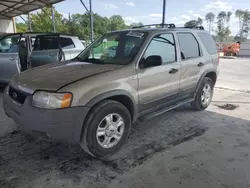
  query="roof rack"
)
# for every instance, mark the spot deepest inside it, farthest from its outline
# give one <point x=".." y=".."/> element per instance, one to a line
<point x="198" y="27"/>
<point x="159" y="25"/>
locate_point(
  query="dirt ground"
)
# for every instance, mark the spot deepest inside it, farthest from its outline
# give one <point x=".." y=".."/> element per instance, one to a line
<point x="181" y="148"/>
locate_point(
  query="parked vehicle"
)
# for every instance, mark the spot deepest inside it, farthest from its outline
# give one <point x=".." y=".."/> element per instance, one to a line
<point x="51" y="48"/>
<point x="94" y="99"/>
<point x="9" y="57"/>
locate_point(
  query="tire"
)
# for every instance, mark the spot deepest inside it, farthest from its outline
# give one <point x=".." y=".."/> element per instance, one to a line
<point x="91" y="143"/>
<point x="198" y="103"/>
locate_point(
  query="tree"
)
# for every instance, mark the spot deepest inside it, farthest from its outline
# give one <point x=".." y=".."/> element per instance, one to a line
<point x="199" y="21"/>
<point x="135" y="25"/>
<point x="223" y="30"/>
<point x="244" y="24"/>
<point x="42" y="22"/>
<point x="116" y="22"/>
<point x="21" y="27"/>
<point x="210" y="17"/>
<point x="194" y="23"/>
<point x="75" y="24"/>
<point x="191" y="23"/>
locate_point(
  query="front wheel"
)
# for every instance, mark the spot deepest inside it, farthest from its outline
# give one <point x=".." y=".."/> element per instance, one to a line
<point x="204" y="95"/>
<point x="106" y="129"/>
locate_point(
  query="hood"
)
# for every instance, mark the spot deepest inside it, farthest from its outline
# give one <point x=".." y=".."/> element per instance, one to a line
<point x="54" y="76"/>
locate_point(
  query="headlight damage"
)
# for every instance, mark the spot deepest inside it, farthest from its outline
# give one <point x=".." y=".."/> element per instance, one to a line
<point x="49" y="100"/>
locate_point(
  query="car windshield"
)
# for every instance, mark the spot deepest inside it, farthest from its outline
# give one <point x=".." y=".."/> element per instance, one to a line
<point x="114" y="48"/>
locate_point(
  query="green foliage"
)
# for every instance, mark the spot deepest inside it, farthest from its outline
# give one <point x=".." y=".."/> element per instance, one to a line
<point x="210" y="17"/>
<point x="223" y="30"/>
<point x="244" y="24"/>
<point x="77" y="24"/>
<point x="194" y="23"/>
<point x="135" y="25"/>
<point x="42" y="22"/>
<point x="21" y="27"/>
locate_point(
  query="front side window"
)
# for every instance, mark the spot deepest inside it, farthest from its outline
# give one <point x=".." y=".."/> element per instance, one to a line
<point x="188" y="45"/>
<point x="114" y="48"/>
<point x="9" y="44"/>
<point x="46" y="42"/>
<point x="162" y="45"/>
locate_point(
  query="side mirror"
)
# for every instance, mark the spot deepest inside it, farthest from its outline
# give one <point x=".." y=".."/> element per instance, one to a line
<point x="152" y="61"/>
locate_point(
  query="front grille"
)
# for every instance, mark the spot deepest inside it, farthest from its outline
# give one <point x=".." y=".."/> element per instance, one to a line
<point x="18" y="96"/>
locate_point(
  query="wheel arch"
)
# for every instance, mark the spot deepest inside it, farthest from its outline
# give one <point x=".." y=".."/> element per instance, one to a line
<point x="210" y="74"/>
<point x="120" y="96"/>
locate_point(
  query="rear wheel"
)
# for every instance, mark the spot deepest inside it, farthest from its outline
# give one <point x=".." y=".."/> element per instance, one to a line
<point x="106" y="129"/>
<point x="204" y="95"/>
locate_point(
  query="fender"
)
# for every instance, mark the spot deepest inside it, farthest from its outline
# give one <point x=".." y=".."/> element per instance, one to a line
<point x="202" y="77"/>
<point x="113" y="93"/>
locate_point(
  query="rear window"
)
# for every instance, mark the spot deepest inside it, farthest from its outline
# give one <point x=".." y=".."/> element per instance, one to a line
<point x="208" y="42"/>
<point x="46" y="43"/>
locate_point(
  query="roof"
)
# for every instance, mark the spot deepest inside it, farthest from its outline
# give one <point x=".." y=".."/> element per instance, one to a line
<point x="12" y="8"/>
<point x="37" y="33"/>
<point x="156" y="30"/>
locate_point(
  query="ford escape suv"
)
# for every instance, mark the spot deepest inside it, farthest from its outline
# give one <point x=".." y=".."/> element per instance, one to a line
<point x="122" y="77"/>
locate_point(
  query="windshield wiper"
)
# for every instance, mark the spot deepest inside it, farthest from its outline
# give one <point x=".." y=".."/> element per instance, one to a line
<point x="94" y="60"/>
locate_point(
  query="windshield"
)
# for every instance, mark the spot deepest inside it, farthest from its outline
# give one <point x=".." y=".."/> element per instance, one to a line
<point x="114" y="48"/>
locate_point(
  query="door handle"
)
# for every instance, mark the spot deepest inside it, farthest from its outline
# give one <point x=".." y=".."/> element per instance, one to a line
<point x="173" y="71"/>
<point x="200" y="64"/>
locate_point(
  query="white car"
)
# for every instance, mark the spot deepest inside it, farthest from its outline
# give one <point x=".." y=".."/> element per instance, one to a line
<point x="50" y="48"/>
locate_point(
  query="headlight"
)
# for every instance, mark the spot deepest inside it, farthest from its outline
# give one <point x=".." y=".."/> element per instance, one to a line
<point x="42" y="99"/>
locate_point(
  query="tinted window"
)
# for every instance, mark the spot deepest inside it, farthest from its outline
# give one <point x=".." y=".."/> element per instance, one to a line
<point x="9" y="44"/>
<point x="46" y="43"/>
<point x="164" y="46"/>
<point x="208" y="42"/>
<point x="188" y="45"/>
<point x="66" y="43"/>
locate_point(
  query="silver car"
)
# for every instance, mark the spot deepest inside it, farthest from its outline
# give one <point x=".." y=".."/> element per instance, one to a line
<point x="51" y="48"/>
<point x="9" y="58"/>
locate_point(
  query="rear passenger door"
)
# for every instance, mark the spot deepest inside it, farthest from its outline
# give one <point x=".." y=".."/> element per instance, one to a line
<point x="159" y="85"/>
<point x="191" y="62"/>
<point x="67" y="46"/>
<point x="211" y="48"/>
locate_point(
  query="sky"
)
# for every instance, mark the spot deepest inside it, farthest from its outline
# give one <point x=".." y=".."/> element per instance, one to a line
<point x="150" y="11"/>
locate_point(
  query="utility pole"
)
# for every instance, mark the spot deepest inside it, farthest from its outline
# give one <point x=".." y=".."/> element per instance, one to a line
<point x="91" y="21"/>
<point x="163" y="13"/>
<point x="53" y="19"/>
<point x="29" y="23"/>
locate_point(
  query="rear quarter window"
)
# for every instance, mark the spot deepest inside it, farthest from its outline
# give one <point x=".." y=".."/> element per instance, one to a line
<point x="66" y="43"/>
<point x="208" y="42"/>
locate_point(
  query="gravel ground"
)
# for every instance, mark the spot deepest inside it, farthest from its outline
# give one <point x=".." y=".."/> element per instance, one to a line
<point x="178" y="149"/>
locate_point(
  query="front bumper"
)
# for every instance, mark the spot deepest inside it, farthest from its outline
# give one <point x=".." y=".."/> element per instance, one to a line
<point x="62" y="125"/>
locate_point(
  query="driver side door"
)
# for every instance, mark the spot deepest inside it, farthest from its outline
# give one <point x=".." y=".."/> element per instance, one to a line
<point x="159" y="86"/>
<point x="9" y="59"/>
